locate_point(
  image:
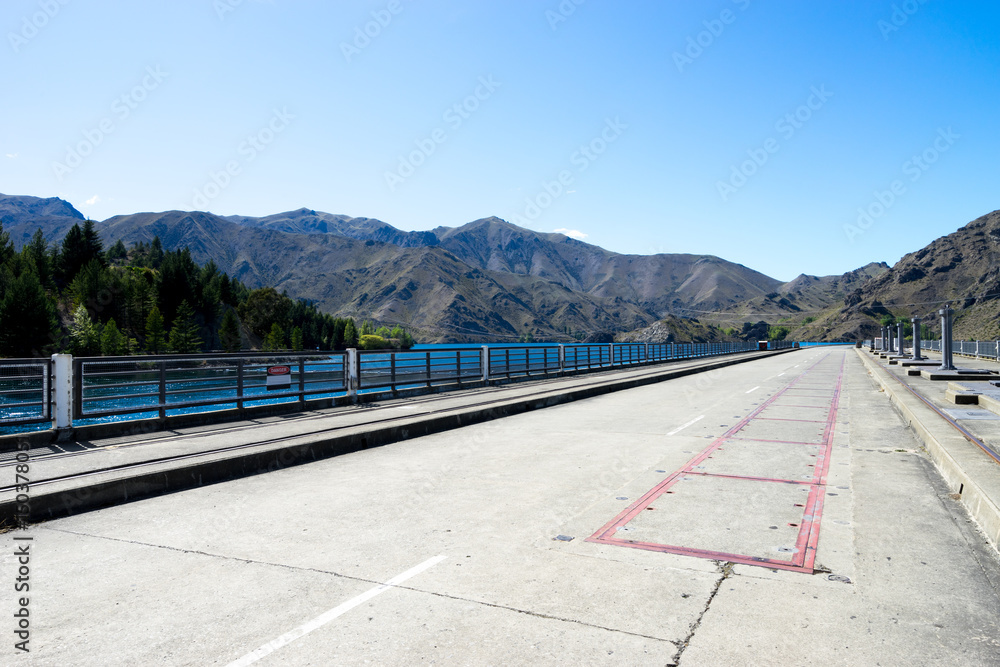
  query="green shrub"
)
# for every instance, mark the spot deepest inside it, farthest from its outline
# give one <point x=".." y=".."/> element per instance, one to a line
<point x="372" y="342"/>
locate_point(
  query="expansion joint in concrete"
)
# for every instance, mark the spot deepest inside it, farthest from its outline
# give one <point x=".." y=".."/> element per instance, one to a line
<point x="725" y="572"/>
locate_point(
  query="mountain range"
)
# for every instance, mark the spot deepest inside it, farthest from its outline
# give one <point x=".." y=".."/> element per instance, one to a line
<point x="492" y="281"/>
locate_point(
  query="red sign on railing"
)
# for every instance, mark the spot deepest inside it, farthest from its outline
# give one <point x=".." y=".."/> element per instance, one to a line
<point x="279" y="377"/>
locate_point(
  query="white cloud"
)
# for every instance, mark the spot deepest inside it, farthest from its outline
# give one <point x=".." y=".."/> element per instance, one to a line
<point x="12" y="155"/>
<point x="572" y="233"/>
<point x="93" y="200"/>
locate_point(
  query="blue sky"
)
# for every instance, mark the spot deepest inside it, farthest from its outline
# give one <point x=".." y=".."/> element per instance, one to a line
<point x="749" y="130"/>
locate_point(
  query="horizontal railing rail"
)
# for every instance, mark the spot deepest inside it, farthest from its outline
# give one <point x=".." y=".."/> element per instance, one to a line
<point x="86" y="390"/>
<point x="25" y="391"/>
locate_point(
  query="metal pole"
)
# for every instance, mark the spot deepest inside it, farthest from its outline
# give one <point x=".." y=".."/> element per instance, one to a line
<point x="63" y="389"/>
<point x="900" y="338"/>
<point x="916" y="339"/>
<point x="946" y="361"/>
<point x="352" y="374"/>
<point x="484" y="362"/>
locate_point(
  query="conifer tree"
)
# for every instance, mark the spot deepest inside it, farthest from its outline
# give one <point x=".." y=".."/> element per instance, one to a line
<point x="350" y="334"/>
<point x="275" y="339"/>
<point x="84" y="333"/>
<point x="112" y="341"/>
<point x="230" y="332"/>
<point x="184" y="337"/>
<point x="27" y="315"/>
<point x="154" y="331"/>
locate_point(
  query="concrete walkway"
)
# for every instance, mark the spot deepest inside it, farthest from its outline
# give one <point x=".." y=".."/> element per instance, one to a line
<point x="490" y="544"/>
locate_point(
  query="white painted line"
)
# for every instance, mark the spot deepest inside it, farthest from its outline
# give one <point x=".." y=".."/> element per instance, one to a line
<point x="684" y="426"/>
<point x="325" y="618"/>
<point x="752" y="390"/>
<point x="780" y="374"/>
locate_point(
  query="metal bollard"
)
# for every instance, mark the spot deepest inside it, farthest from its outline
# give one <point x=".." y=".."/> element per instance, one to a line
<point x="946" y="360"/>
<point x="916" y="339"/>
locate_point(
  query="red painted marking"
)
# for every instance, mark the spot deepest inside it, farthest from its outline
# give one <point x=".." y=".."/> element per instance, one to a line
<point x="785" y="405"/>
<point x="782" y="442"/>
<point x="781" y="419"/>
<point x="777" y="480"/>
<point x="804" y="556"/>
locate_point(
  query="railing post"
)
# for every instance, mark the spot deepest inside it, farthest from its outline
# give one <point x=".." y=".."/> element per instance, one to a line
<point x="63" y="396"/>
<point x="484" y="362"/>
<point x="239" y="383"/>
<point x="302" y="382"/>
<point x="353" y="374"/>
<point x="163" y="390"/>
<point x="562" y="360"/>
<point x="611" y="351"/>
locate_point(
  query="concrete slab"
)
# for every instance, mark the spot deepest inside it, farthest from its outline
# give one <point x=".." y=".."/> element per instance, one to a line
<point x="697" y="513"/>
<point x="972" y="414"/>
<point x="965" y="375"/>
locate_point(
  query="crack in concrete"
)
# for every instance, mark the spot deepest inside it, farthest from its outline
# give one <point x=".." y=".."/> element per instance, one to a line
<point x="726" y="571"/>
<point x="349" y="577"/>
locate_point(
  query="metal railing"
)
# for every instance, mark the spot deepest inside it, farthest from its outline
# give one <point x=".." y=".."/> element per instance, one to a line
<point x="979" y="349"/>
<point x="25" y="391"/>
<point x="88" y="390"/>
<point x="176" y="384"/>
<point x="410" y="369"/>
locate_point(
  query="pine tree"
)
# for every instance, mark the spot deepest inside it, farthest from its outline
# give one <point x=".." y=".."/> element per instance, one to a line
<point x="350" y="334"/>
<point x="93" y="248"/>
<point x="155" y="253"/>
<point x="275" y="339"/>
<point x="84" y="333"/>
<point x="184" y="337"/>
<point x="27" y="315"/>
<point x="38" y="251"/>
<point x="154" y="331"/>
<point x="73" y="255"/>
<point x="230" y="332"/>
<point x="297" y="338"/>
<point x="112" y="341"/>
<point x="117" y="252"/>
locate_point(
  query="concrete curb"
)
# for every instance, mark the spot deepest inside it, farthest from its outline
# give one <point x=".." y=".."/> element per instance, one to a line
<point x="218" y="467"/>
<point x="965" y="468"/>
